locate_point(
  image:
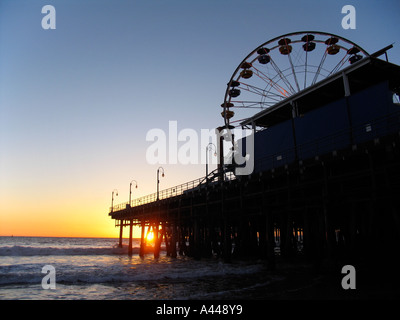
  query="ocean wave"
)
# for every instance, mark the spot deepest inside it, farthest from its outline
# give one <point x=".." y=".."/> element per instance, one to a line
<point x="90" y="270"/>
<point x="109" y="275"/>
<point x="28" y="251"/>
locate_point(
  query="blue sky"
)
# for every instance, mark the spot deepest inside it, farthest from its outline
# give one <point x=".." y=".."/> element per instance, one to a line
<point x="76" y="102"/>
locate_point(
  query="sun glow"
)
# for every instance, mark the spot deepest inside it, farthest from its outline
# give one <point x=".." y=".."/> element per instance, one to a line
<point x="150" y="237"/>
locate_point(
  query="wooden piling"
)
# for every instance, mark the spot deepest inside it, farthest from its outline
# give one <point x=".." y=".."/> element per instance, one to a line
<point x="130" y="236"/>
<point x="173" y="241"/>
<point x="270" y="240"/>
<point x="196" y="241"/>
<point x="157" y="241"/>
<point x="142" y="239"/>
<point x="227" y="246"/>
<point x="182" y="241"/>
<point x="121" y="228"/>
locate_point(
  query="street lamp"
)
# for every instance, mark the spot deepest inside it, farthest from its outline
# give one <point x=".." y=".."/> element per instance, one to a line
<point x="130" y="190"/>
<point x="208" y="148"/>
<point x="112" y="199"/>
<point x="158" y="181"/>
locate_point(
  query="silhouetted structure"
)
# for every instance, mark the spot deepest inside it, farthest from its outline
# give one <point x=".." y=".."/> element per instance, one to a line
<point x="326" y="183"/>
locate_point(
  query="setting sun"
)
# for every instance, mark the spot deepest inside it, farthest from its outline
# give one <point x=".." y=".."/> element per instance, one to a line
<point x="150" y="236"/>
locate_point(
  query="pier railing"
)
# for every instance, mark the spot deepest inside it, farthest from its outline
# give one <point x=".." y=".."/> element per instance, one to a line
<point x="172" y="192"/>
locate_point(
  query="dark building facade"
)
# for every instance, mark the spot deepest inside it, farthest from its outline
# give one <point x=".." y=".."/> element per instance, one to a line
<point x="355" y="106"/>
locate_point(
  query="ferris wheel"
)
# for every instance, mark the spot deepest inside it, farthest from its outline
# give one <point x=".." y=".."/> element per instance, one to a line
<point x="282" y="67"/>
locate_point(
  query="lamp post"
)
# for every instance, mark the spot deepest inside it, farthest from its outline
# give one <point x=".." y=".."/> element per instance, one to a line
<point x="208" y="148"/>
<point x="158" y="181"/>
<point x="112" y="199"/>
<point x="130" y="190"/>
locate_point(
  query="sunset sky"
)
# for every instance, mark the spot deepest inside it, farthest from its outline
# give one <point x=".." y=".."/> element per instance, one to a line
<point x="77" y="102"/>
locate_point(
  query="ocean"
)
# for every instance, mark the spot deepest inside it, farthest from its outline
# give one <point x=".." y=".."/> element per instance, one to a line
<point x="97" y="269"/>
<point x="45" y="268"/>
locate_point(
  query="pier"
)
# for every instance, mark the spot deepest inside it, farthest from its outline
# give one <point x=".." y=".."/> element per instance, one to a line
<point x="338" y="204"/>
<point x="329" y="196"/>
